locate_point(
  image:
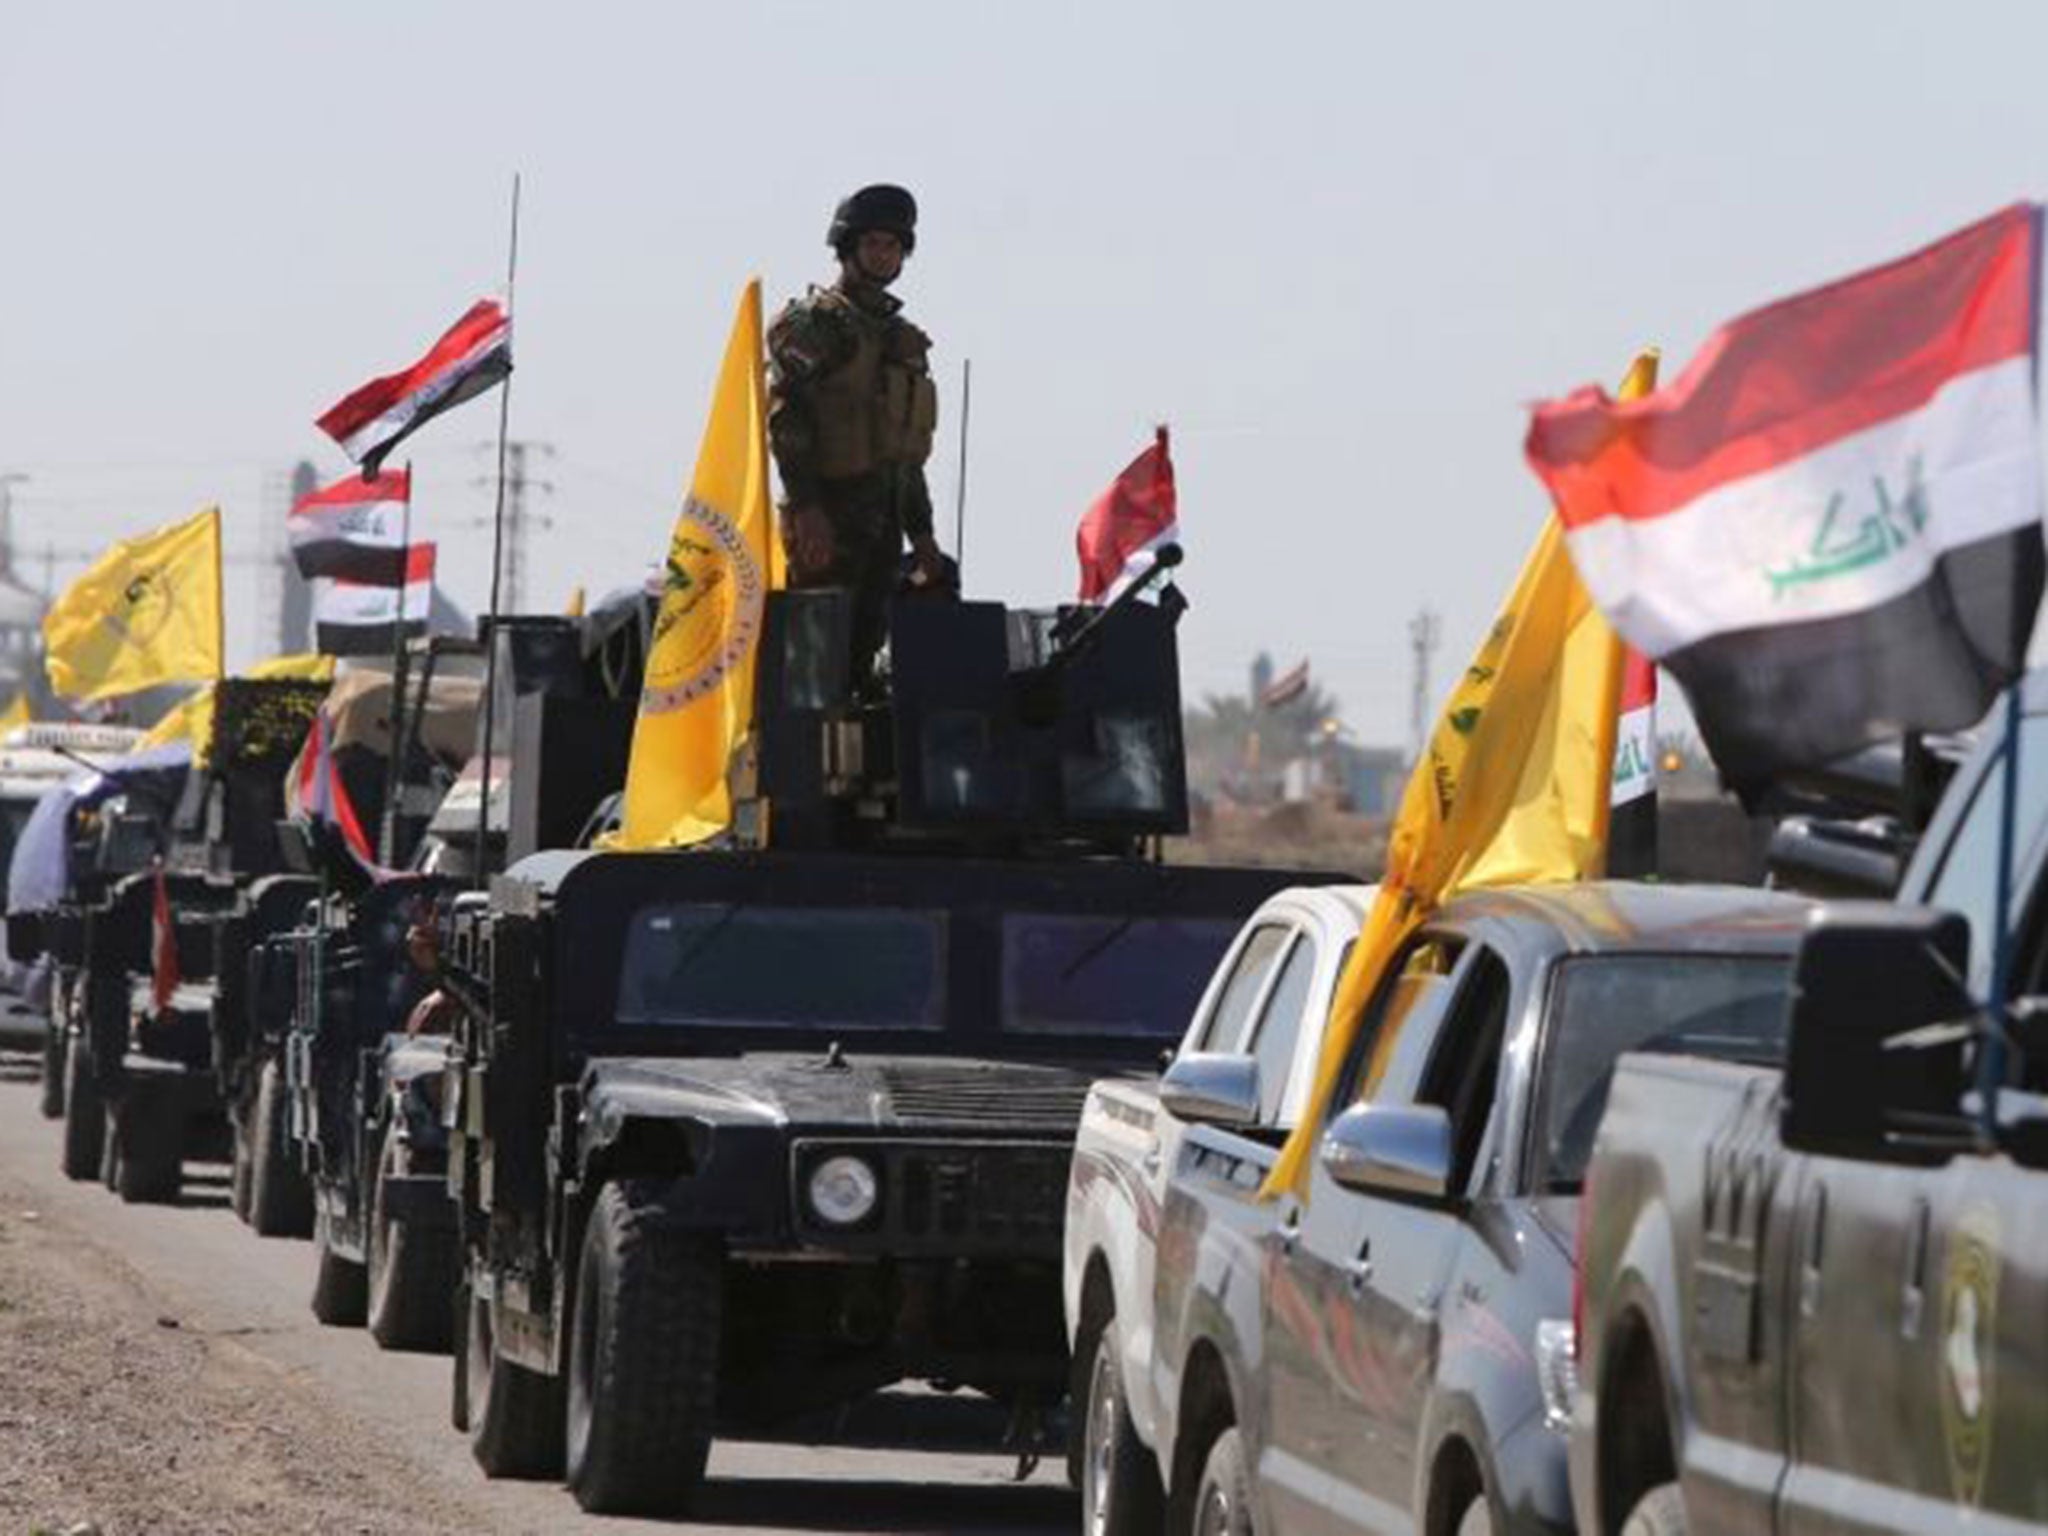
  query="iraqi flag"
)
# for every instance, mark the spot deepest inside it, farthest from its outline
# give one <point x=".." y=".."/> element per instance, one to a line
<point x="1828" y="528"/>
<point x="314" y="791"/>
<point x="1632" y="818"/>
<point x="474" y="354"/>
<point x="164" y="974"/>
<point x="354" y="528"/>
<point x="1120" y="534"/>
<point x="354" y="618"/>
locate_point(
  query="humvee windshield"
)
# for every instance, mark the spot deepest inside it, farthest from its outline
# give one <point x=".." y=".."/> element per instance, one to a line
<point x="1101" y="974"/>
<point x="727" y="964"/>
<point x="1723" y="1007"/>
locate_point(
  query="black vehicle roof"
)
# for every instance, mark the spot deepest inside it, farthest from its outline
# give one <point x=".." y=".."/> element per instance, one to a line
<point x="1615" y="916"/>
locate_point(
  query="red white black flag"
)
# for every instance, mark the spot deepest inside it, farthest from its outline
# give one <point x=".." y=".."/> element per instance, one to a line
<point x="315" y="791"/>
<point x="1632" y="818"/>
<point x="1828" y="527"/>
<point x="474" y="354"/>
<point x="354" y="528"/>
<point x="1128" y="522"/>
<point x="164" y="974"/>
<point x="1287" y="687"/>
<point x="354" y="618"/>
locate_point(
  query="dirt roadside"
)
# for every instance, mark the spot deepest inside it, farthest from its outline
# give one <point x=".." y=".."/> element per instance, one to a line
<point x="119" y="1416"/>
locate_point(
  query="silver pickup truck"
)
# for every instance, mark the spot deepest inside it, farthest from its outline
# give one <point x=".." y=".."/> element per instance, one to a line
<point x="1254" y="1037"/>
<point x="1816" y="1299"/>
<point x="1371" y="1356"/>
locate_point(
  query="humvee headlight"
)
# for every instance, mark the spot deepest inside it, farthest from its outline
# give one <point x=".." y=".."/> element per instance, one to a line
<point x="843" y="1190"/>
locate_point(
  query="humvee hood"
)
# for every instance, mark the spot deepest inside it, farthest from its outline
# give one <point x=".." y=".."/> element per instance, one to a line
<point x="921" y="1093"/>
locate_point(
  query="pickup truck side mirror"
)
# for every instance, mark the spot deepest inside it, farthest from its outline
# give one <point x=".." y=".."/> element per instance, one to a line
<point x="1882" y="1036"/>
<point x="1212" y="1088"/>
<point x="1389" y="1149"/>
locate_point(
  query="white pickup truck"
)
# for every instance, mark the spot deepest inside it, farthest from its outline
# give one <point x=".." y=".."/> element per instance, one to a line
<point x="1254" y="1038"/>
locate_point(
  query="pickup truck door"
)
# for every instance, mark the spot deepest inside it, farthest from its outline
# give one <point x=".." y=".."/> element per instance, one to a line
<point x="1352" y="1288"/>
<point x="1868" y="1370"/>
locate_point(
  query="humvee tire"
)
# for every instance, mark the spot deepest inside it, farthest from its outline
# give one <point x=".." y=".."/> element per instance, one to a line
<point x="411" y="1271"/>
<point x="52" y="1104"/>
<point x="1660" y="1512"/>
<point x="85" y="1115"/>
<point x="643" y="1357"/>
<point x="238" y="1178"/>
<point x="341" y="1287"/>
<point x="149" y="1135"/>
<point x="280" y="1195"/>
<point x="515" y="1415"/>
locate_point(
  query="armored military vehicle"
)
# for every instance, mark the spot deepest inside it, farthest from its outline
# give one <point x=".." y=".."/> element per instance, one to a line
<point x="150" y="951"/>
<point x="362" y="1063"/>
<point x="743" y="1132"/>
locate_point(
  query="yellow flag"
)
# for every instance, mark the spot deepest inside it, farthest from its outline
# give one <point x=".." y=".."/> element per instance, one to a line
<point x="697" y="705"/>
<point x="17" y="713"/>
<point x="147" y="612"/>
<point x="1513" y="787"/>
<point x="192" y="719"/>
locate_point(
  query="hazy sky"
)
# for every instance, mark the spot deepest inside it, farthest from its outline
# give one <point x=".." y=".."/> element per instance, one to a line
<point x="1338" y="247"/>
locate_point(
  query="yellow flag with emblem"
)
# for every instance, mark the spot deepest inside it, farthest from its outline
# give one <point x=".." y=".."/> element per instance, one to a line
<point x="1513" y="788"/>
<point x="192" y="718"/>
<point x="697" y="703"/>
<point x="17" y="713"/>
<point x="148" y="611"/>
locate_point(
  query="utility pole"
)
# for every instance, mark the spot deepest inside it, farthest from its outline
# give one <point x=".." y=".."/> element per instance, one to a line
<point x="8" y="481"/>
<point x="1425" y="634"/>
<point x="519" y="517"/>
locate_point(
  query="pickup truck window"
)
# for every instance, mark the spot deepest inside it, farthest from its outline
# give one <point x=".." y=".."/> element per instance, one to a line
<point x="1225" y="1029"/>
<point x="1724" y="1007"/>
<point x="1413" y="996"/>
<point x="1086" y="974"/>
<point x="1280" y="1025"/>
<point x="1967" y="879"/>
<point x="872" y="968"/>
<point x="1464" y="1065"/>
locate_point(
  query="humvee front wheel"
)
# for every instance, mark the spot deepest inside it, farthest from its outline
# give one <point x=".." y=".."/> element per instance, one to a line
<point x="85" y="1114"/>
<point x="515" y="1415"/>
<point x="150" y="1153"/>
<point x="412" y="1272"/>
<point x="341" y="1287"/>
<point x="280" y="1196"/>
<point x="643" y="1357"/>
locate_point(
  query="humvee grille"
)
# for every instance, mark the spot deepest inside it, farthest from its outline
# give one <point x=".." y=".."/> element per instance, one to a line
<point x="958" y="1199"/>
<point x="966" y="1096"/>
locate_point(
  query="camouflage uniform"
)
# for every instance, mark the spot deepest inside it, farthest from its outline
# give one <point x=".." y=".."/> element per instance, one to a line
<point x="852" y="409"/>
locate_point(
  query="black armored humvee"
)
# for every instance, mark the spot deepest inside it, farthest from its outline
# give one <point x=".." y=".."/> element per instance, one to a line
<point x="746" y="1132"/>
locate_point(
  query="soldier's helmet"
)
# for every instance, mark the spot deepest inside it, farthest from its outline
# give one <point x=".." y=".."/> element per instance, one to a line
<point x="877" y="207"/>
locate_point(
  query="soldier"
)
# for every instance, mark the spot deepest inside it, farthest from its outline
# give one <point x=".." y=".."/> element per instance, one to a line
<point x="851" y="415"/>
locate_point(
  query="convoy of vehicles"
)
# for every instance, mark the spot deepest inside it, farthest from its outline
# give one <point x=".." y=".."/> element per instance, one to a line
<point x="950" y="1078"/>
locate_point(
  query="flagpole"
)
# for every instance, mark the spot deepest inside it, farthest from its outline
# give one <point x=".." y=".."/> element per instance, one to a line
<point x="394" y="771"/>
<point x="1991" y="1058"/>
<point x="483" y="813"/>
<point x="960" y="486"/>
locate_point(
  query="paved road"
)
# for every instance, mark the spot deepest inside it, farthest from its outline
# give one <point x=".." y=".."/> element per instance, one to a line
<point x="912" y="1462"/>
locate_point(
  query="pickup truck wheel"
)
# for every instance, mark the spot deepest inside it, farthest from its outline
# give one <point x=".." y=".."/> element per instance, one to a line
<point x="53" y="1070"/>
<point x="411" y="1273"/>
<point x="515" y="1415"/>
<point x="280" y="1196"/>
<point x="85" y="1115"/>
<point x="341" y="1288"/>
<point x="643" y="1357"/>
<point x="1223" y="1498"/>
<point x="1477" y="1519"/>
<point x="1121" y="1492"/>
<point x="149" y="1136"/>
<point x="1660" y="1512"/>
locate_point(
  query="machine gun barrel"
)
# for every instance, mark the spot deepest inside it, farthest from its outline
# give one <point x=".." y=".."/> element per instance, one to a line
<point x="1076" y="643"/>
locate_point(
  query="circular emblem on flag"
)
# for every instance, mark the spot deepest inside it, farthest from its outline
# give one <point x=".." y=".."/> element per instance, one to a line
<point x="145" y="607"/>
<point x="710" y="615"/>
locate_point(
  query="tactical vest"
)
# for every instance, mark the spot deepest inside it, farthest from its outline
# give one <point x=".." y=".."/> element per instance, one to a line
<point x="879" y="407"/>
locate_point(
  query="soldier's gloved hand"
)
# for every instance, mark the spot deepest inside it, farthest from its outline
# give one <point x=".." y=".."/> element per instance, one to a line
<point x="930" y="567"/>
<point x="807" y="536"/>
